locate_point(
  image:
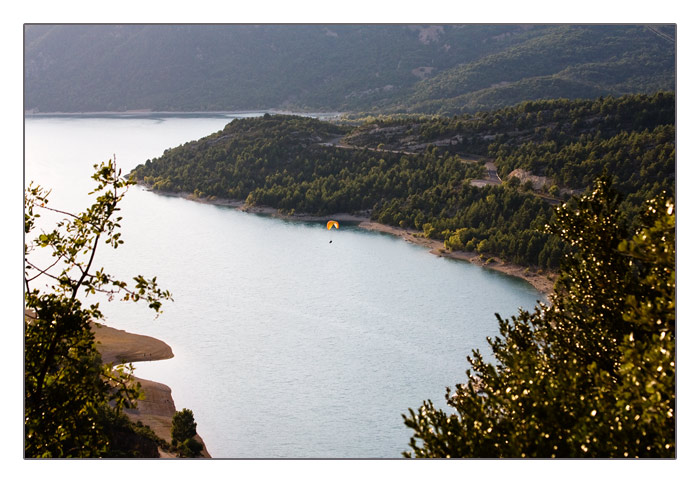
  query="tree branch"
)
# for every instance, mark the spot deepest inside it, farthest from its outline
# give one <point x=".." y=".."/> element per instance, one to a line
<point x="41" y="272"/>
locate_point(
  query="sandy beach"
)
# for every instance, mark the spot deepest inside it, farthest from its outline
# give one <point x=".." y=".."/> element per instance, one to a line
<point x="157" y="408"/>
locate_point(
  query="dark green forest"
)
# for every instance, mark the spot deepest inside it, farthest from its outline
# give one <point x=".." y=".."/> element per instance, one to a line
<point x="402" y="173"/>
<point x="444" y="69"/>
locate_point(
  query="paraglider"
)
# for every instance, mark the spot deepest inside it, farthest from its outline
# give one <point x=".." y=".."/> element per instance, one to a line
<point x="331" y="224"/>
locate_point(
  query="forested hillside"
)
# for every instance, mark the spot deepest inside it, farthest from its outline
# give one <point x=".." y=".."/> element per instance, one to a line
<point x="447" y="69"/>
<point x="403" y="173"/>
<point x="562" y="61"/>
<point x="568" y="142"/>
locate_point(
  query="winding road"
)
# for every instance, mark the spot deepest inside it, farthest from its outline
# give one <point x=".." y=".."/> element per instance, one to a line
<point x="491" y="178"/>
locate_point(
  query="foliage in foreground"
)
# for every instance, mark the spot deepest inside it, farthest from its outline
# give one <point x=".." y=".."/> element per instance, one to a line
<point x="73" y="402"/>
<point x="591" y="375"/>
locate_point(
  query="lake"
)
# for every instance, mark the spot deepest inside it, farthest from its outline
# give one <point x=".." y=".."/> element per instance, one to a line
<point x="286" y="345"/>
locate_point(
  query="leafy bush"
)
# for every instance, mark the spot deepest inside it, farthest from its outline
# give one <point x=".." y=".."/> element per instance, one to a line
<point x="592" y="374"/>
<point x="73" y="402"/>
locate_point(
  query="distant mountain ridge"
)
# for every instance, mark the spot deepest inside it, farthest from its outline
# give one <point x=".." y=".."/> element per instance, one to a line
<point x="446" y="69"/>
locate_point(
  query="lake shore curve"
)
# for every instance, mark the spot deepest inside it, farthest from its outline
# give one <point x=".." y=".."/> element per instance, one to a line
<point x="541" y="280"/>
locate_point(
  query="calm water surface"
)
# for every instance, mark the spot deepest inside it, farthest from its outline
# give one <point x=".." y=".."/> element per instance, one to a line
<point x="285" y="345"/>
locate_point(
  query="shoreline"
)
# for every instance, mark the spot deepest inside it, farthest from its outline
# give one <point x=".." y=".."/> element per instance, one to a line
<point x="541" y="280"/>
<point x="157" y="408"/>
<point x="152" y="113"/>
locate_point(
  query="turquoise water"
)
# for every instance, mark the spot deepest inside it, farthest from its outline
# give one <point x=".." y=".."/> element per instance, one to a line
<point x="286" y="346"/>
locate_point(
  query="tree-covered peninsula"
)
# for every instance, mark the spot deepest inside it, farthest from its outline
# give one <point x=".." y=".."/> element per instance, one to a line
<point x="424" y="172"/>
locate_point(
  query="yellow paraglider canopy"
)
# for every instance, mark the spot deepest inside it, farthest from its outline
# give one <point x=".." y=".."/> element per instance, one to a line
<point x="332" y="224"/>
